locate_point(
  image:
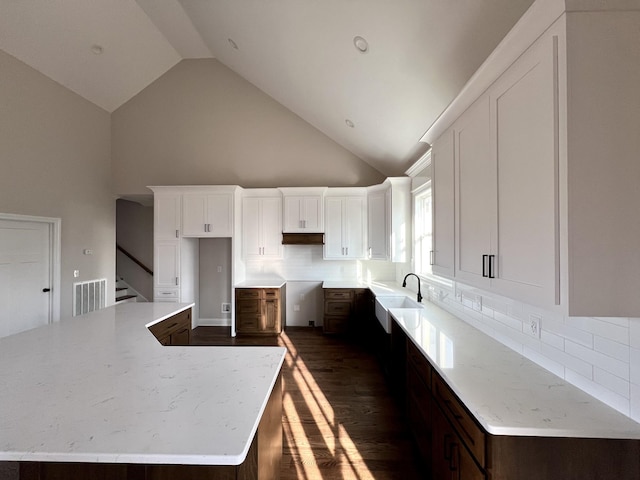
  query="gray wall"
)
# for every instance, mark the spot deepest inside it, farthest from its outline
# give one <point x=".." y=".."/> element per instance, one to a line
<point x="55" y="162"/>
<point x="215" y="287"/>
<point x="134" y="233"/>
<point x="200" y="123"/>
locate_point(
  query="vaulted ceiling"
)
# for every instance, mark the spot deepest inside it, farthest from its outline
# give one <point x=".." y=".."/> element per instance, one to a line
<point x="377" y="104"/>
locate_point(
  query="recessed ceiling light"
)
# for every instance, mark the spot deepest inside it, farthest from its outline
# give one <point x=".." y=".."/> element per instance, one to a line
<point x="232" y="43"/>
<point x="361" y="44"/>
<point x="97" y="49"/>
<point x="349" y="123"/>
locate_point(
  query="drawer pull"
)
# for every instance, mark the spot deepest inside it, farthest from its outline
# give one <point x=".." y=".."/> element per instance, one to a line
<point x="173" y="325"/>
<point x="453" y="410"/>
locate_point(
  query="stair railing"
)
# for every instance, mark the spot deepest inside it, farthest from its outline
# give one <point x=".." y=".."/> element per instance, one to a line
<point x="135" y="260"/>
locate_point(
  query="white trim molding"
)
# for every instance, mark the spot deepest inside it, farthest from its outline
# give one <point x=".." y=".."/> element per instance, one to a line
<point x="423" y="162"/>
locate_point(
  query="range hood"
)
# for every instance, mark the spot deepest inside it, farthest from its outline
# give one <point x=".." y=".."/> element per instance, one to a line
<point x="303" y="238"/>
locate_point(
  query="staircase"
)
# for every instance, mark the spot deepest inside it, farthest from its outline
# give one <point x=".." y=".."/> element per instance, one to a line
<point x="124" y="292"/>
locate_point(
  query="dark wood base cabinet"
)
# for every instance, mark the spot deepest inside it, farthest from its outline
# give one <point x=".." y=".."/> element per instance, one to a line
<point x="175" y="330"/>
<point x="454" y="446"/>
<point x="346" y="310"/>
<point x="259" y="311"/>
<point x="262" y="462"/>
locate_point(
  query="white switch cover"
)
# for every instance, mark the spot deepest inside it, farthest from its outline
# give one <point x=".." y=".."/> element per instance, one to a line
<point x="76" y="273"/>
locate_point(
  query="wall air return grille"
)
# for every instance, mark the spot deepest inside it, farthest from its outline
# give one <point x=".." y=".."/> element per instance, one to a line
<point x="89" y="296"/>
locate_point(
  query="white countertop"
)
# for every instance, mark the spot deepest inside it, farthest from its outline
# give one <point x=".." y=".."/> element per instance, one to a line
<point x="101" y="388"/>
<point x="262" y="283"/>
<point x="507" y="393"/>
<point x="379" y="289"/>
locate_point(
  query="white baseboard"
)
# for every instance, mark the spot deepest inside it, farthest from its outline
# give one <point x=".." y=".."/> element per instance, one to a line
<point x="213" y="322"/>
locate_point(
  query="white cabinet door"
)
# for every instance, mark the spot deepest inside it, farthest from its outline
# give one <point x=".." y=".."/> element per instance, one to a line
<point x="476" y="195"/>
<point x="443" y="204"/>
<point x="378" y="224"/>
<point x="524" y="117"/>
<point x="354" y="227"/>
<point x="333" y="242"/>
<point x="167" y="265"/>
<point x="167" y="214"/>
<point x="345" y="228"/>
<point x="303" y="214"/>
<point x="262" y="227"/>
<point x="207" y="215"/>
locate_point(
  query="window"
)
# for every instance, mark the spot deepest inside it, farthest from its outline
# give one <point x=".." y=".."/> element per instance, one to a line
<point x="422" y="228"/>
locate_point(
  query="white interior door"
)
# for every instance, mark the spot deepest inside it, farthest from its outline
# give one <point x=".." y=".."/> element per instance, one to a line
<point x="25" y="275"/>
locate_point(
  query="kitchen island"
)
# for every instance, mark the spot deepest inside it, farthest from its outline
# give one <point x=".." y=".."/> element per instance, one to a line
<point x="99" y="396"/>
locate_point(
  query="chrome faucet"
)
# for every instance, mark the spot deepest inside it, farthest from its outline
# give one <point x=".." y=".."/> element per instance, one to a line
<point x="404" y="284"/>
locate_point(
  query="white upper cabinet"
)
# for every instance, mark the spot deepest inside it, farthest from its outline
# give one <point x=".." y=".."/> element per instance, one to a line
<point x="262" y="226"/>
<point x="388" y="212"/>
<point x="442" y="187"/>
<point x="475" y="195"/>
<point x="345" y="225"/>
<point x="207" y="214"/>
<point x="379" y="222"/>
<point x="546" y="163"/>
<point x="167" y="216"/>
<point x="303" y="209"/>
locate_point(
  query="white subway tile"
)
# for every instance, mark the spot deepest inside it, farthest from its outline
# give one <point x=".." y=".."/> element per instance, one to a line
<point x="613" y="349"/>
<point x="611" y="382"/>
<point x="610" y="364"/>
<point x="580" y="366"/>
<point x="634" y="332"/>
<point x="552" y="339"/>
<point x="635" y="402"/>
<point x="600" y="328"/>
<point x="596" y="390"/>
<point x="620" y="321"/>
<point x="512" y="322"/>
<point x="571" y="333"/>
<point x="634" y="366"/>
<point x="544" y="361"/>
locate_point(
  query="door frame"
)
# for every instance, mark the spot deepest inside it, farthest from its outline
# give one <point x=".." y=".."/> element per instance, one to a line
<point x="54" y="257"/>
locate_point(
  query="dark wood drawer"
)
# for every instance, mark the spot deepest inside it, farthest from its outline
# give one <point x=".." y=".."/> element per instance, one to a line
<point x="337" y="308"/>
<point x="420" y="363"/>
<point x="271" y="293"/>
<point x="335" y="324"/>
<point x="338" y="294"/>
<point x="166" y="327"/>
<point x="248" y="293"/>
<point x="248" y="323"/>
<point x="247" y="307"/>
<point x="465" y="425"/>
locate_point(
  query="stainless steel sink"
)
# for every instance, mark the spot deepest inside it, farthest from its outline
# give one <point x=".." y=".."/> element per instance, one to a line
<point x="383" y="304"/>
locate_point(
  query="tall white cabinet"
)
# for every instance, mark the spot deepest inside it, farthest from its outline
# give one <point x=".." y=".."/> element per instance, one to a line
<point x="262" y="224"/>
<point x="166" y="257"/>
<point x="545" y="164"/>
<point x="388" y="228"/>
<point x="345" y="224"/>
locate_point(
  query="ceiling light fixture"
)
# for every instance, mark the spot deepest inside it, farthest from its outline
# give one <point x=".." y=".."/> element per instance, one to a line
<point x="232" y="43"/>
<point x="97" y="49"/>
<point x="361" y="44"/>
<point x="349" y="123"/>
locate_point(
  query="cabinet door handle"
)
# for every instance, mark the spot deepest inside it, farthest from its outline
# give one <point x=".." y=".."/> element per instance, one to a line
<point x="484" y="265"/>
<point x="453" y="460"/>
<point x="431" y="256"/>
<point x="304" y="224"/>
<point x="446" y="447"/>
<point x="177" y="234"/>
<point x="347" y="250"/>
<point x="492" y="259"/>
<point x="176" y="280"/>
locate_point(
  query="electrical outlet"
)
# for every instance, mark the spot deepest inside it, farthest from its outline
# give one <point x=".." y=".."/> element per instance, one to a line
<point x="533" y="327"/>
<point x="226" y="308"/>
<point x="219" y="269"/>
<point x="312" y="323"/>
<point x="76" y="273"/>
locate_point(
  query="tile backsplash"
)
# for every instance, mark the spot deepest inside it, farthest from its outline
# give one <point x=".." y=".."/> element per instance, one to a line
<point x="598" y="355"/>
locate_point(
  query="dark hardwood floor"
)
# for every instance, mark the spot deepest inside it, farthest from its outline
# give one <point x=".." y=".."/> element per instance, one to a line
<point x="339" y="419"/>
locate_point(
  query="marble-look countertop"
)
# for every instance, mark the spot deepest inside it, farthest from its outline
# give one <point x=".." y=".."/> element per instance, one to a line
<point x="101" y="388"/>
<point x="507" y="393"/>
<point x="262" y="283"/>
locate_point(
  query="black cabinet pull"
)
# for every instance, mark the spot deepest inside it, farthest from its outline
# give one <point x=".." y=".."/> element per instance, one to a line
<point x="45" y="290"/>
<point x="484" y="265"/>
<point x="491" y="261"/>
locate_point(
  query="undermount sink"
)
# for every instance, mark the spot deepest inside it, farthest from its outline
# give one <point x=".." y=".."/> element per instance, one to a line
<point x="383" y="304"/>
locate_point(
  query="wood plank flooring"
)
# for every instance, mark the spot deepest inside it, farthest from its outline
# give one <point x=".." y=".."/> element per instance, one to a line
<point x="339" y="419"/>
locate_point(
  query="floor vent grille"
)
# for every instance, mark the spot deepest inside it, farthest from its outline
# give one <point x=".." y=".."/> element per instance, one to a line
<point x="89" y="296"/>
